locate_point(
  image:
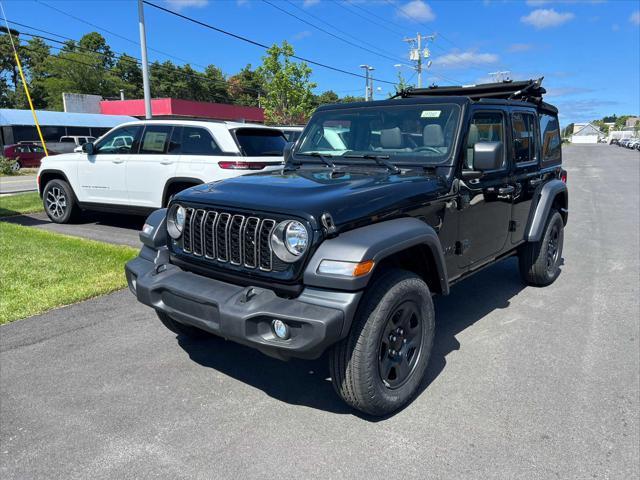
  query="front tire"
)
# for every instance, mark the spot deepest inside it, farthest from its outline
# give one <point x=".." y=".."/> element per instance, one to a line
<point x="540" y="261"/>
<point x="60" y="202"/>
<point x="378" y="368"/>
<point x="16" y="166"/>
<point x="180" y="328"/>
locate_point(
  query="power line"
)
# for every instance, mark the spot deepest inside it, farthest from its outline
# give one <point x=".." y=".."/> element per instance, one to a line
<point x="368" y="12"/>
<point x="121" y="56"/>
<point x="384" y="55"/>
<point x="256" y="43"/>
<point x="134" y="42"/>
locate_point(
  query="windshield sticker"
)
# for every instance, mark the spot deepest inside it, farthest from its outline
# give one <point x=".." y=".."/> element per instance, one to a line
<point x="430" y="113"/>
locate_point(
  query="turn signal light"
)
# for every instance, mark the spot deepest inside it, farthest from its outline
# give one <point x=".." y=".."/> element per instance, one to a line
<point x="242" y="165"/>
<point x="345" y="269"/>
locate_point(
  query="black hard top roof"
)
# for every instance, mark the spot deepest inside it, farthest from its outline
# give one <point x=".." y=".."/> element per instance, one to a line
<point x="523" y="93"/>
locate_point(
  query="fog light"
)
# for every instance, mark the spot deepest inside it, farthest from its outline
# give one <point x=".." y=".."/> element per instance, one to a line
<point x="280" y="329"/>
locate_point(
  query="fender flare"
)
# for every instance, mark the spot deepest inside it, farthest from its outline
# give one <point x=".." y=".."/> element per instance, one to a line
<point x="195" y="181"/>
<point x="548" y="193"/>
<point x="154" y="232"/>
<point x="374" y="242"/>
<point x="55" y="172"/>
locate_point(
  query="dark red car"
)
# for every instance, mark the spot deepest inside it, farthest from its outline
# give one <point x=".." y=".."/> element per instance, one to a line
<point x="26" y="155"/>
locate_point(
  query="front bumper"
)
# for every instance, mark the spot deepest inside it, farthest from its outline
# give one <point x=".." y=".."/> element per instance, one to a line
<point x="317" y="318"/>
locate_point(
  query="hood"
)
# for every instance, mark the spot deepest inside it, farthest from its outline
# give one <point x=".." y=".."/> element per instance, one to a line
<point x="349" y="195"/>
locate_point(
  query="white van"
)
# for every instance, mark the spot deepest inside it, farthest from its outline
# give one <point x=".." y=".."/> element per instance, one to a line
<point x="138" y="166"/>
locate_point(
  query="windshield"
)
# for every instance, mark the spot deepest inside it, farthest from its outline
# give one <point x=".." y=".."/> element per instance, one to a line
<point x="260" y="142"/>
<point x="411" y="134"/>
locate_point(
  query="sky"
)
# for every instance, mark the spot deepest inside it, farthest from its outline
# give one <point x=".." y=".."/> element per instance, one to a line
<point x="588" y="51"/>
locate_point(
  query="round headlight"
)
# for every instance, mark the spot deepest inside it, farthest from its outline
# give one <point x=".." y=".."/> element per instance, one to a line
<point x="289" y="240"/>
<point x="175" y="221"/>
<point x="296" y="238"/>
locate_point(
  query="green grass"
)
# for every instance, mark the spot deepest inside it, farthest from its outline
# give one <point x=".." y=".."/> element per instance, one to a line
<point x="20" y="203"/>
<point x="20" y="173"/>
<point x="40" y="270"/>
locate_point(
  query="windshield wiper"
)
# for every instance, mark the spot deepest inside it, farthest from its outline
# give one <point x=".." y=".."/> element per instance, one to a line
<point x="324" y="158"/>
<point x="379" y="159"/>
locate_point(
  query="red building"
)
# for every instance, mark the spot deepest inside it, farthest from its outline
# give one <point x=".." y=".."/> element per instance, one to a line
<point x="186" y="109"/>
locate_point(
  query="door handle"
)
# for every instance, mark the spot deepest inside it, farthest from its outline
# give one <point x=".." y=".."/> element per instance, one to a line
<point x="117" y="161"/>
<point x="166" y="162"/>
<point x="506" y="190"/>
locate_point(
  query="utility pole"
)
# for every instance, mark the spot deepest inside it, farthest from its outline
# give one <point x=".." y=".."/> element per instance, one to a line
<point x="417" y="53"/>
<point x="145" y="63"/>
<point x="368" y="85"/>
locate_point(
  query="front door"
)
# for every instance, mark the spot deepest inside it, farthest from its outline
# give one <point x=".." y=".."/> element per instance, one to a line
<point x="102" y="175"/>
<point x="149" y="170"/>
<point x="485" y="202"/>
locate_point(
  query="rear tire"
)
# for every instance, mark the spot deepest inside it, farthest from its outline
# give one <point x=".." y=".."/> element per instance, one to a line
<point x="540" y="261"/>
<point x="180" y="328"/>
<point x="60" y="202"/>
<point x="16" y="166"/>
<point x="378" y="368"/>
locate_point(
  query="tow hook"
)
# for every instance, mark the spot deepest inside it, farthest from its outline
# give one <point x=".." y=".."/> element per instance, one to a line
<point x="248" y="294"/>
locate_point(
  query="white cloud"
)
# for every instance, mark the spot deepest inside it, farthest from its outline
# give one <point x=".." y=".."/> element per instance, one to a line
<point x="635" y="17"/>
<point x="519" y="47"/>
<point x="417" y="10"/>
<point x="182" y="4"/>
<point x="310" y="3"/>
<point x="546" y="18"/>
<point x="463" y="59"/>
<point x="302" y="35"/>
<point x="537" y="3"/>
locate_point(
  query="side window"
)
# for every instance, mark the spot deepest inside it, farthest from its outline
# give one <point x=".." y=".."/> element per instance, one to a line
<point x="485" y="127"/>
<point x="550" y="139"/>
<point x="155" y="139"/>
<point x="524" y="137"/>
<point x="193" y="141"/>
<point x="122" y="140"/>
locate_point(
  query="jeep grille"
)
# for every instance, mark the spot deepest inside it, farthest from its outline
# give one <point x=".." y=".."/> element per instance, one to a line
<point x="235" y="239"/>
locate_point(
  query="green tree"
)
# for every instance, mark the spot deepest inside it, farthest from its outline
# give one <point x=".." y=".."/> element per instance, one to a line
<point x="604" y="128"/>
<point x="325" y="98"/>
<point x="246" y="87"/>
<point x="288" y="99"/>
<point x="351" y="98"/>
<point x="401" y="85"/>
<point x="129" y="75"/>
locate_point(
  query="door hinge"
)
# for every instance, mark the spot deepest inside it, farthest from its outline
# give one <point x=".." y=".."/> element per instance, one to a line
<point x="513" y="225"/>
<point x="462" y="246"/>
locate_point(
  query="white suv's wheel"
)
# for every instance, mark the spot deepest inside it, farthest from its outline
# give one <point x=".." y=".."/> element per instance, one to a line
<point x="59" y="202"/>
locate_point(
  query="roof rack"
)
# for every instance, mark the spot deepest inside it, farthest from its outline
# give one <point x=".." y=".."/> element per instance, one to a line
<point x="528" y="91"/>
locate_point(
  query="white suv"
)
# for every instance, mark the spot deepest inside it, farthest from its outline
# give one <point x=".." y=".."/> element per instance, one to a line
<point x="138" y="166"/>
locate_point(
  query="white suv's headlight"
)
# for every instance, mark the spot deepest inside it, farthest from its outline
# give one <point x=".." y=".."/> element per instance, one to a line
<point x="289" y="240"/>
<point x="175" y="221"/>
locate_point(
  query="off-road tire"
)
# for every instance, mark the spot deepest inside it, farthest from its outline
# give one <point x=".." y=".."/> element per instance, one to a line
<point x="60" y="202"/>
<point x="354" y="361"/>
<point x="180" y="328"/>
<point x="540" y="261"/>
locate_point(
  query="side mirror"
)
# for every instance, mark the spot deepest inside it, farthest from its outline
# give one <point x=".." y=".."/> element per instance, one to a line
<point x="487" y="156"/>
<point x="288" y="148"/>
<point x="87" y="148"/>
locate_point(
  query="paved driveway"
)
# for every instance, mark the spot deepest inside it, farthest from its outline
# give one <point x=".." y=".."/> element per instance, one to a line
<point x="523" y="382"/>
<point x="119" y="229"/>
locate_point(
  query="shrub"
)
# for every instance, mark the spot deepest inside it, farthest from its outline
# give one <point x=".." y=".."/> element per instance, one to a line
<point x="6" y="165"/>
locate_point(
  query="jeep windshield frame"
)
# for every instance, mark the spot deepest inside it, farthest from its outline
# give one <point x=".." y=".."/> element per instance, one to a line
<point x="404" y="133"/>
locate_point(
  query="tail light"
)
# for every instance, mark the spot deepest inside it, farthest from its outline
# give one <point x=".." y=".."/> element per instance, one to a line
<point x="242" y="165"/>
<point x="563" y="175"/>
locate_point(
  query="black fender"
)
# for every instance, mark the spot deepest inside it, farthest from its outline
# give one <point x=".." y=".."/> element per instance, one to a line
<point x="51" y="171"/>
<point x="374" y="242"/>
<point x="538" y="217"/>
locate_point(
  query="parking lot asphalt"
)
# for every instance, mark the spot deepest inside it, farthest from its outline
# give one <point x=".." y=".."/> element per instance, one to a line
<point x="16" y="184"/>
<point x="523" y="382"/>
<point x="113" y="228"/>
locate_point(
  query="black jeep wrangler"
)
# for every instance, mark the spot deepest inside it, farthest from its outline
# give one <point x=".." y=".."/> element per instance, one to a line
<point x="379" y="206"/>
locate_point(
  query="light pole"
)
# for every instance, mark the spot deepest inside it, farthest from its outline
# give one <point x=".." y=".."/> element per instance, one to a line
<point x="145" y="64"/>
<point x="368" y="86"/>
